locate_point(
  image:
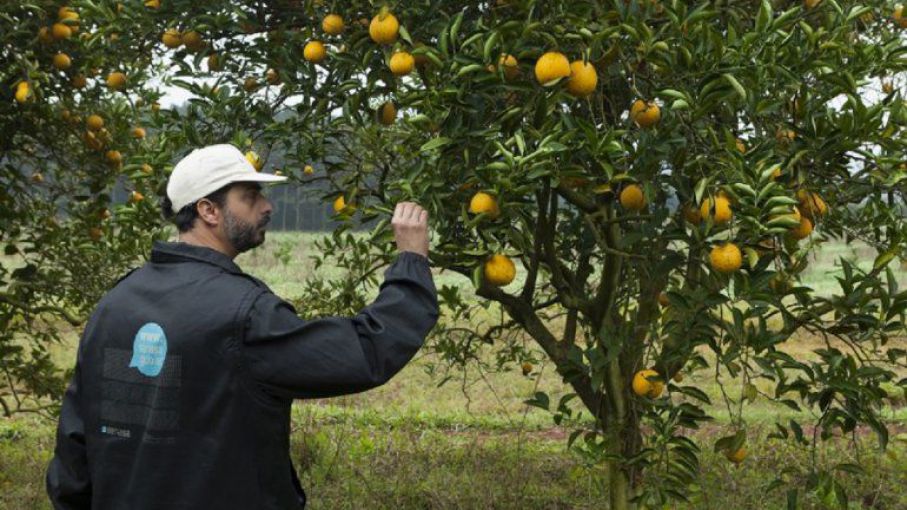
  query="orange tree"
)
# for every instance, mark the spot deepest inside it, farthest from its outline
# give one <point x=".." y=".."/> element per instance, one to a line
<point x="638" y="186"/>
<point x="661" y="173"/>
<point x="72" y="113"/>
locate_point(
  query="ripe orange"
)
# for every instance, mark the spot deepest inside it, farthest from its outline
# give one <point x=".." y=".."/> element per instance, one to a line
<point x="138" y="133"/>
<point x="314" y="52"/>
<point x="384" y="28"/>
<point x="645" y="113"/>
<point x="719" y="209"/>
<point x="509" y="66"/>
<point x="803" y="230"/>
<point x="499" y="270"/>
<point x="332" y="24"/>
<point x="255" y="160"/>
<point x="692" y="214"/>
<point x="193" y="41"/>
<point x="79" y="81"/>
<point x="135" y="197"/>
<point x="402" y="63"/>
<point x="116" y="81"/>
<point x="60" y="31"/>
<point x="785" y="136"/>
<point x="583" y="79"/>
<point x="726" y="258"/>
<point x="62" y="61"/>
<point x="736" y="456"/>
<point x="898" y="15"/>
<point x="482" y="202"/>
<point x="526" y="367"/>
<point x="632" y="198"/>
<point x="250" y="84"/>
<point x="308" y="170"/>
<point x="387" y="114"/>
<point x="811" y="204"/>
<point x="92" y="140"/>
<point x="114" y="157"/>
<point x="23" y="92"/>
<point x="214" y="62"/>
<point x="551" y="66"/>
<point x="340" y="205"/>
<point x="663" y="299"/>
<point x="94" y="122"/>
<point x="44" y="35"/>
<point x="172" y="38"/>
<point x="647" y="383"/>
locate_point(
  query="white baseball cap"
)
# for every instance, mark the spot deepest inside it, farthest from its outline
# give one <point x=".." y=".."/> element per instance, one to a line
<point x="205" y="170"/>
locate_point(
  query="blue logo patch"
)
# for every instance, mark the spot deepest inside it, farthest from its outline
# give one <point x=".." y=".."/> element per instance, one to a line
<point x="149" y="349"/>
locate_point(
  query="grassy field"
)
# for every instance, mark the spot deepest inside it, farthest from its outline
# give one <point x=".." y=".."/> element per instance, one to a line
<point x="472" y="443"/>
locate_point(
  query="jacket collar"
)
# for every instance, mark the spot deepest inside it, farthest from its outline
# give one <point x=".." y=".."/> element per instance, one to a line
<point x="163" y="251"/>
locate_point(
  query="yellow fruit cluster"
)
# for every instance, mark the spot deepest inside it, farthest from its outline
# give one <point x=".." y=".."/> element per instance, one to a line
<point x="582" y="78"/>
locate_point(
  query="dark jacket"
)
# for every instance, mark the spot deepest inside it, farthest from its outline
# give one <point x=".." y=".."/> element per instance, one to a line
<point x="186" y="372"/>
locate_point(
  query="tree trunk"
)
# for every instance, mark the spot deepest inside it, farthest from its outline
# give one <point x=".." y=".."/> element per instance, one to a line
<point x="619" y="491"/>
<point x="623" y="440"/>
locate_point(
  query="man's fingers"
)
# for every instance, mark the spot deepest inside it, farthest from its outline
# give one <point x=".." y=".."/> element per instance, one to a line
<point x="409" y="212"/>
<point x="414" y="213"/>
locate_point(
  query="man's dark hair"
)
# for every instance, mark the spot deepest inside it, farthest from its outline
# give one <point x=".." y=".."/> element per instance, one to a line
<point x="185" y="218"/>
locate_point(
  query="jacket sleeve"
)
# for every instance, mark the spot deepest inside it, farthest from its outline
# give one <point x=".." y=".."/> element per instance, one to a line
<point x="67" y="481"/>
<point x="294" y="358"/>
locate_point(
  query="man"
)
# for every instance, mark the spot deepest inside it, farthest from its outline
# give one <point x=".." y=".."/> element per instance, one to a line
<point x="187" y="368"/>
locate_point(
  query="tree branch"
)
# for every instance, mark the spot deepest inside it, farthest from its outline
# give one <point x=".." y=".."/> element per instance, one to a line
<point x="522" y="312"/>
<point x="70" y="318"/>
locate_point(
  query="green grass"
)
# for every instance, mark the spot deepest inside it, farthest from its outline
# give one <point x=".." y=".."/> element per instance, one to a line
<point x="472" y="443"/>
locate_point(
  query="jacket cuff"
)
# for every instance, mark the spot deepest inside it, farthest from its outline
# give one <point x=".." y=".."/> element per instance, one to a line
<point x="411" y="255"/>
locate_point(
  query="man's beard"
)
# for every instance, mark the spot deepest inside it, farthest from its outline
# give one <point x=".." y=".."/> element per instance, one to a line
<point x="243" y="236"/>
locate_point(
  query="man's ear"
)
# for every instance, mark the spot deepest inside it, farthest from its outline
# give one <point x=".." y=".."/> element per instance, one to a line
<point x="208" y="212"/>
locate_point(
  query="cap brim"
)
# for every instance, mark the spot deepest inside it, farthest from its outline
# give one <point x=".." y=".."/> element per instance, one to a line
<point x="259" y="177"/>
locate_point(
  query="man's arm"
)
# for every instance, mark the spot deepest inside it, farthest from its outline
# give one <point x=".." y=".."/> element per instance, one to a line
<point x="293" y="358"/>
<point x="68" y="482"/>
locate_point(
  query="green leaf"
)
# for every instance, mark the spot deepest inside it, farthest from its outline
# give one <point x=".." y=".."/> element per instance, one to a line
<point x="455" y="28"/>
<point x="752" y="257"/>
<point x="764" y="18"/>
<point x="680" y="104"/>
<point x="676" y="94"/>
<point x="489" y="46"/>
<point x="744" y="188"/>
<point x="736" y="84"/>
<point x="884" y="258"/>
<point x="469" y="69"/>
<point x="477" y="274"/>
<point x="404" y="34"/>
<point x="434" y="143"/>
<point x="699" y="191"/>
<point x="540" y="400"/>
